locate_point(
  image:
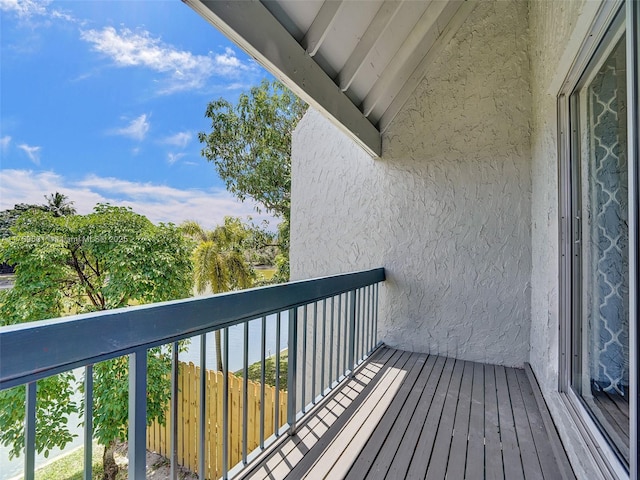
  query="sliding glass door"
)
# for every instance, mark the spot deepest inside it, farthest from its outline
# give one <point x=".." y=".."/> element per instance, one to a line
<point x="601" y="237"/>
<point x="600" y="280"/>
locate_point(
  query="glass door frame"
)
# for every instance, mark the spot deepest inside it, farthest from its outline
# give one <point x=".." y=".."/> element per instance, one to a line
<point x="601" y="36"/>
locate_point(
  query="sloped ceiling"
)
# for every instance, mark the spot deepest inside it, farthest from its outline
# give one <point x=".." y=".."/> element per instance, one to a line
<point x="357" y="61"/>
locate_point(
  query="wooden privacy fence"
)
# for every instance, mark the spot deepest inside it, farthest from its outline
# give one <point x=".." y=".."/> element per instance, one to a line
<point x="158" y="436"/>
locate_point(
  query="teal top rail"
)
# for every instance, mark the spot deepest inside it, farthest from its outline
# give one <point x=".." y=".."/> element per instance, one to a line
<point x="35" y="350"/>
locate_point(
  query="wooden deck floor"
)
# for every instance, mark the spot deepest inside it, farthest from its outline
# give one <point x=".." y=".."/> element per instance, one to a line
<point x="407" y="415"/>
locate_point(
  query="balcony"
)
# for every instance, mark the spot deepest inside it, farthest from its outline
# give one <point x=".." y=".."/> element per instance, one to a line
<point x="355" y="408"/>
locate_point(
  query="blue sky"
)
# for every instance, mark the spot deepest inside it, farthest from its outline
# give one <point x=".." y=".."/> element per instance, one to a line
<point x="103" y="100"/>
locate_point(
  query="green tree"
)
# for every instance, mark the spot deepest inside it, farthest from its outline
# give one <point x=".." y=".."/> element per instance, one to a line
<point x="250" y="146"/>
<point x="219" y="263"/>
<point x="9" y="217"/>
<point x="110" y="258"/>
<point x="59" y="204"/>
<point x="255" y="370"/>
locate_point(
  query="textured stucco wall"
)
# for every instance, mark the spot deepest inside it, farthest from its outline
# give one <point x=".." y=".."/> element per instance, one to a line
<point x="555" y="36"/>
<point x="551" y="26"/>
<point x="446" y="210"/>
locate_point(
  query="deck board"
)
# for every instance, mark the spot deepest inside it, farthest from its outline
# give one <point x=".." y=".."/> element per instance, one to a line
<point x="405" y="449"/>
<point x="440" y="455"/>
<point x="282" y="460"/>
<point x="530" y="462"/>
<point x="475" y="442"/>
<point x="405" y="396"/>
<point x="424" y="447"/>
<point x="546" y="456"/>
<point x="511" y="456"/>
<point x="493" y="451"/>
<point x="458" y="459"/>
<point x="422" y="416"/>
<point x="336" y="460"/>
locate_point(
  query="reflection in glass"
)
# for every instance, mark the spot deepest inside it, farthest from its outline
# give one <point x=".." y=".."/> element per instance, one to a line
<point x="603" y="335"/>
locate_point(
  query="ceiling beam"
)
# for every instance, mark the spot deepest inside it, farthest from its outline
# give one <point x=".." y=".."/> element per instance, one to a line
<point x="321" y="24"/>
<point x="409" y="55"/>
<point x="421" y="70"/>
<point x="251" y="26"/>
<point x="379" y="24"/>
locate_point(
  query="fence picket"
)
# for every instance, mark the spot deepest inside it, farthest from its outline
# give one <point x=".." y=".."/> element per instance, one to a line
<point x="189" y="421"/>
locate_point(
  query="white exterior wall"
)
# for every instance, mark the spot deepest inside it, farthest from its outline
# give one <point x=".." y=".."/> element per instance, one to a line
<point x="465" y="196"/>
<point x="557" y="30"/>
<point x="446" y="210"/>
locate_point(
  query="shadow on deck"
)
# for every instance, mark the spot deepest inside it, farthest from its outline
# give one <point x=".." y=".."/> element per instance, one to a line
<point x="408" y="415"/>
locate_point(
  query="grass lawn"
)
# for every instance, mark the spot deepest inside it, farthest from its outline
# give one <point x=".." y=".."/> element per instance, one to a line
<point x="266" y="273"/>
<point x="71" y="466"/>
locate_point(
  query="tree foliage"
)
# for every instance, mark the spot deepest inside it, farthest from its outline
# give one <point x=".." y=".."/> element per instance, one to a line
<point x="9" y="217"/>
<point x="219" y="262"/>
<point x="255" y="371"/>
<point x="250" y="146"/>
<point x="59" y="204"/>
<point x="110" y="258"/>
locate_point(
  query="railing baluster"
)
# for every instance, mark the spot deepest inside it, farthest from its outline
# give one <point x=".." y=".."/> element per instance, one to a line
<point x="173" y="413"/>
<point x="332" y="339"/>
<point x="203" y="399"/>
<point x="88" y="422"/>
<point x="262" y="378"/>
<point x="361" y="319"/>
<point x="375" y="319"/>
<point x="364" y="326"/>
<point x="314" y="355"/>
<point x="347" y="325"/>
<point x="138" y="413"/>
<point x="225" y="405"/>
<point x="245" y="390"/>
<point x="292" y="370"/>
<point x="30" y="431"/>
<point x="324" y="344"/>
<point x="276" y="413"/>
<point x="304" y="360"/>
<point x="352" y="331"/>
<point x="339" y="344"/>
<point x="369" y="321"/>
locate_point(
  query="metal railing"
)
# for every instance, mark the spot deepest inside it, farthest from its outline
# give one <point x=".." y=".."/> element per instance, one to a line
<point x="331" y="328"/>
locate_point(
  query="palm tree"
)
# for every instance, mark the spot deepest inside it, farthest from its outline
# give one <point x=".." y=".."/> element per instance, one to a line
<point x="219" y="261"/>
<point x="59" y="204"/>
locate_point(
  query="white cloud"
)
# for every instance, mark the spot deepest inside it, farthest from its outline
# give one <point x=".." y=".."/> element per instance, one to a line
<point x="180" y="139"/>
<point x="29" y="10"/>
<point x="174" y="157"/>
<point x="184" y="70"/>
<point x="32" y="152"/>
<point x="25" y="8"/>
<point x="4" y="143"/>
<point x="160" y="203"/>
<point x="136" y="129"/>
